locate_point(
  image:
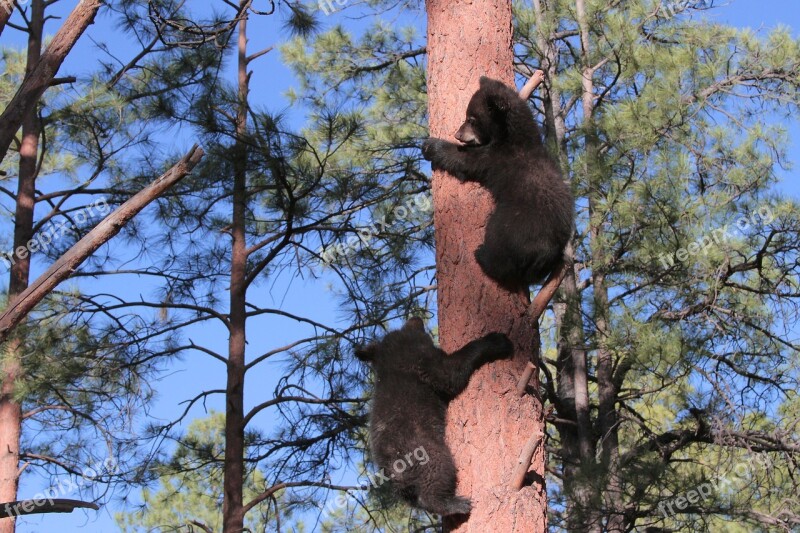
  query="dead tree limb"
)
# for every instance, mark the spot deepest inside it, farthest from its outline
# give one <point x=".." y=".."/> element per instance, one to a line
<point x="533" y="82"/>
<point x="524" y="461"/>
<point x="6" y="8"/>
<point x="41" y="77"/>
<point x="547" y="291"/>
<point x="201" y="526"/>
<point x="43" y="505"/>
<point x="19" y="308"/>
<point x="525" y="378"/>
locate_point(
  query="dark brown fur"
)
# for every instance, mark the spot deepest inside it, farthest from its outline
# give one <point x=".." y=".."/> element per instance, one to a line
<point x="414" y="382"/>
<point x="534" y="210"/>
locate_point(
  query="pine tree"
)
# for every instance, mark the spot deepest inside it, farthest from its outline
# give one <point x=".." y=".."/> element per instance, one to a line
<point x="675" y="318"/>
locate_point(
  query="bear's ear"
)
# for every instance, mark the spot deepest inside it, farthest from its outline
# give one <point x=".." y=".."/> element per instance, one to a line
<point x="366" y="353"/>
<point x="498" y="101"/>
<point x="415" y="323"/>
<point x="492" y="85"/>
<point x="496" y="93"/>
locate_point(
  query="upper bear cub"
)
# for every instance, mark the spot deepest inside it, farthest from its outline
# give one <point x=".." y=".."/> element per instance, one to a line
<point x="534" y="210"/>
<point x="414" y="382"/>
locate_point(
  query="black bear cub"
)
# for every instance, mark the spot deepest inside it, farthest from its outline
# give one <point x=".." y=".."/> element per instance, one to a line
<point x="502" y="150"/>
<point x="414" y="382"/>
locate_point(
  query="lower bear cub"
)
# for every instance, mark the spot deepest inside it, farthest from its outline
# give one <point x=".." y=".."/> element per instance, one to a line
<point x="414" y="382"/>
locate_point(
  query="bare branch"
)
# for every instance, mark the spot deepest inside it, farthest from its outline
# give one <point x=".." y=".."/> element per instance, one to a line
<point x="524" y="461"/>
<point x="35" y="84"/>
<point x="19" y="308"/>
<point x="41" y="506"/>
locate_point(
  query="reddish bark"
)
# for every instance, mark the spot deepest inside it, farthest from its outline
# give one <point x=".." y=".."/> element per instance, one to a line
<point x="10" y="426"/>
<point x="6" y="8"/>
<point x="488" y="425"/>
<point x="41" y="77"/>
<point x="10" y="408"/>
<point x="233" y="482"/>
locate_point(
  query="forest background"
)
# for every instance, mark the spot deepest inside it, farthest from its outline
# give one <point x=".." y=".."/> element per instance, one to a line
<point x="317" y="295"/>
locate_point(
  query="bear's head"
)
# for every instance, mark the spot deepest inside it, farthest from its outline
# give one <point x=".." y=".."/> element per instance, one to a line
<point x="401" y="349"/>
<point x="487" y="112"/>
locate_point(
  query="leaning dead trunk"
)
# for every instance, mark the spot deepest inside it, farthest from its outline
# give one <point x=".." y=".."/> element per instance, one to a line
<point x="6" y="8"/>
<point x="20" y="306"/>
<point x="38" y="79"/>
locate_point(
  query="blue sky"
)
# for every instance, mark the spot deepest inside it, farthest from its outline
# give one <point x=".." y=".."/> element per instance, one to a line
<point x="761" y="16"/>
<point x="271" y="79"/>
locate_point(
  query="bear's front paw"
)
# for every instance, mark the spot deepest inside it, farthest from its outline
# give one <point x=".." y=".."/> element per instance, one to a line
<point x="499" y="346"/>
<point x="431" y="147"/>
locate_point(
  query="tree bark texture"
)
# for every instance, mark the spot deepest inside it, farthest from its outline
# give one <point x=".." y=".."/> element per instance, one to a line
<point x="489" y="425"/>
<point x="40" y="78"/>
<point x="233" y="484"/>
<point x="6" y="8"/>
<point x="10" y="407"/>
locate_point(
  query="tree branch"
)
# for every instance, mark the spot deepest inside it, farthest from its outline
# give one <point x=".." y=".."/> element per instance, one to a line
<point x="280" y="486"/>
<point x="34" y="84"/>
<point x="19" y="308"/>
<point x="524" y="461"/>
<point x="43" y="505"/>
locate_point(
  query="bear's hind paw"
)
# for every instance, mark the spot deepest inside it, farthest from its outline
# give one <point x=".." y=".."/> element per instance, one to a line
<point x="458" y="505"/>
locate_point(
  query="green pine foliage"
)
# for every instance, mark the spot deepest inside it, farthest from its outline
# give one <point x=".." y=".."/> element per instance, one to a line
<point x="680" y="223"/>
<point x="190" y="486"/>
<point x="682" y="228"/>
<point x="686" y="260"/>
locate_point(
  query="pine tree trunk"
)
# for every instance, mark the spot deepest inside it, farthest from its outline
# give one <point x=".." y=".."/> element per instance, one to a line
<point x="10" y="408"/>
<point x="576" y="434"/>
<point x="611" y="492"/>
<point x="488" y="425"/>
<point x="232" y="507"/>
